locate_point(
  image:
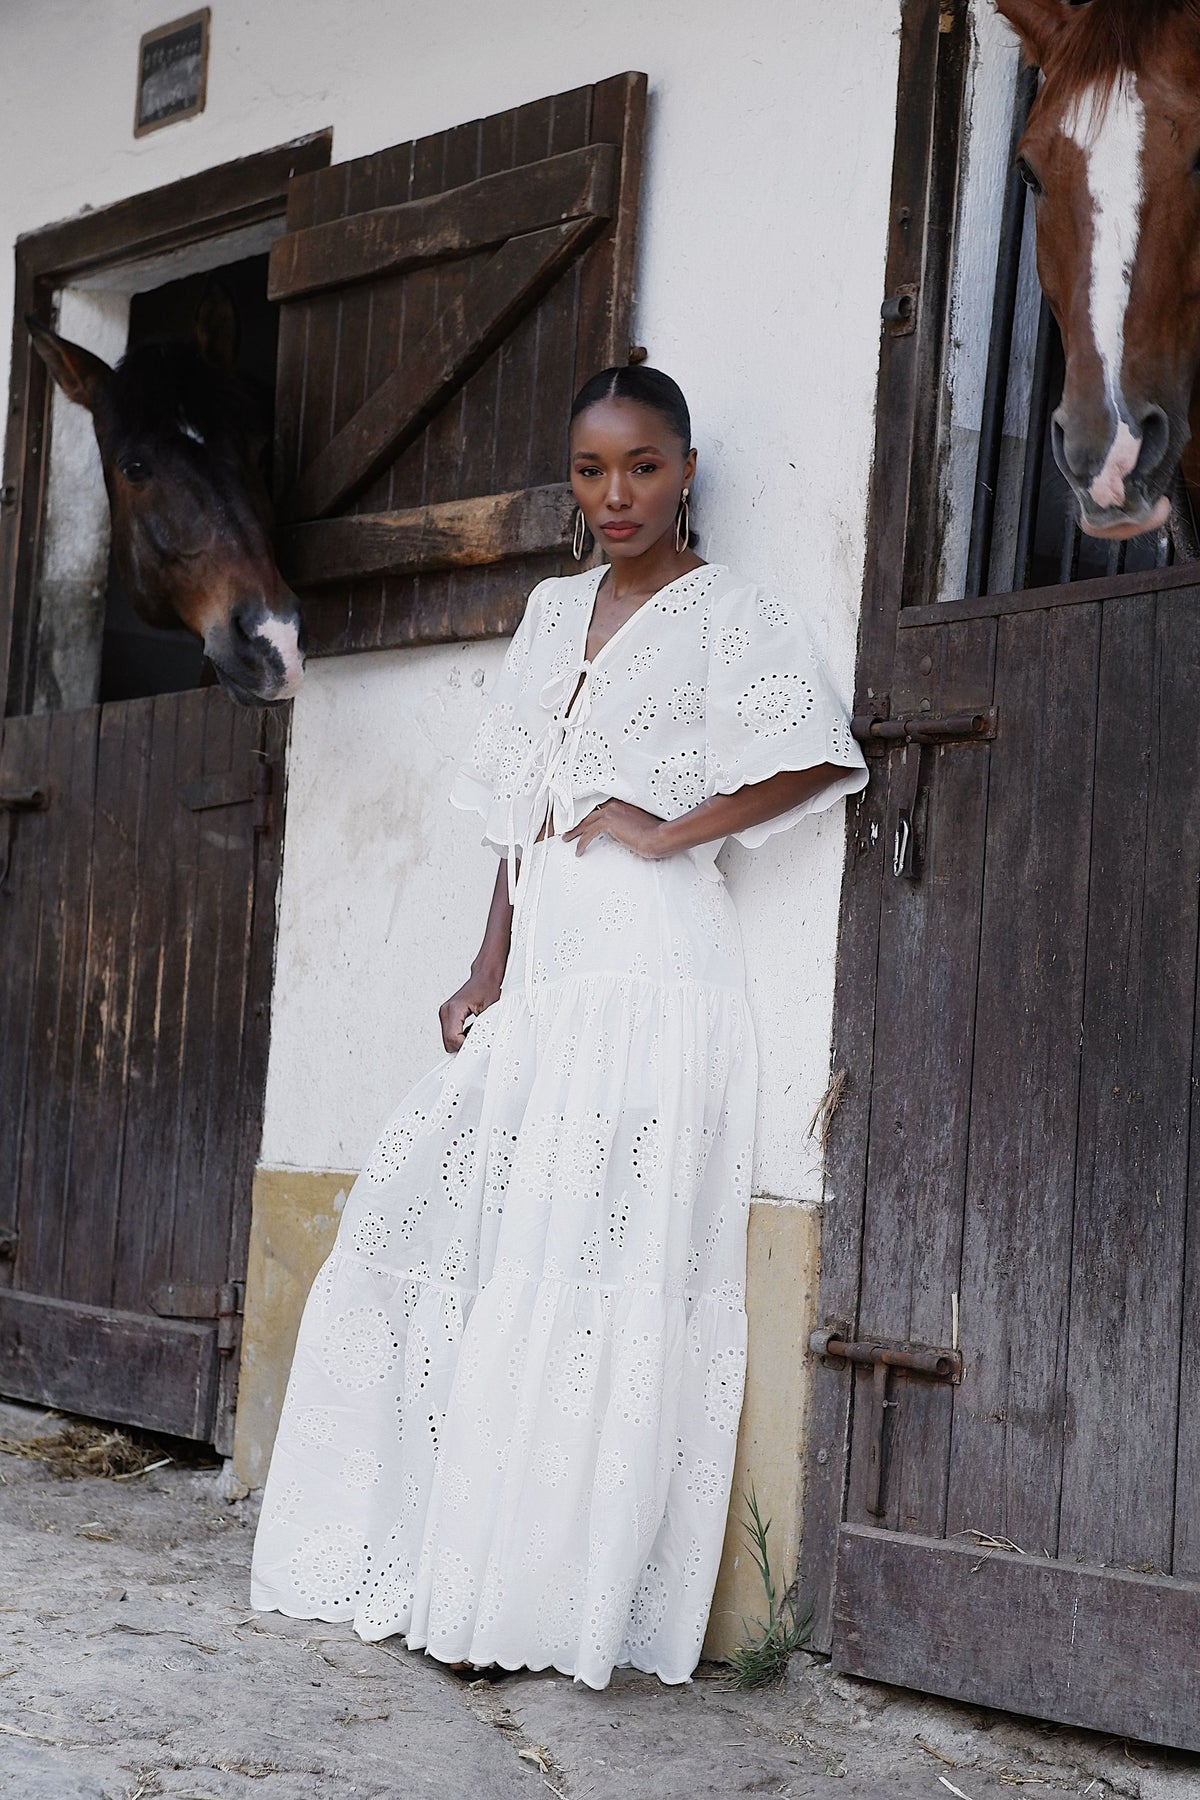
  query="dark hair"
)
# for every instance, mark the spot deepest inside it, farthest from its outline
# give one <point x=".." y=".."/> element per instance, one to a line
<point x="648" y="387"/>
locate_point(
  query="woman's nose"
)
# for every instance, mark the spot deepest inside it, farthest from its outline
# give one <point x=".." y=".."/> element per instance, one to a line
<point x="617" y="495"/>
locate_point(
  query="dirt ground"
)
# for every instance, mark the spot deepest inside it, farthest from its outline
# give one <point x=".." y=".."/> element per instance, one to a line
<point x="131" y="1666"/>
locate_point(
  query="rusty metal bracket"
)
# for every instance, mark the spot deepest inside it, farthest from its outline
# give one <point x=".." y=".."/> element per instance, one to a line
<point x="926" y="728"/>
<point x="837" y="1349"/>
<point x="899" y="310"/>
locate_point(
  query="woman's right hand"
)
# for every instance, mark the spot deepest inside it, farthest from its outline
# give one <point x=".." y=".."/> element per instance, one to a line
<point x="475" y="995"/>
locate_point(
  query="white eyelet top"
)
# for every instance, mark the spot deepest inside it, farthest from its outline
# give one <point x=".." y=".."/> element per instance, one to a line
<point x="711" y="685"/>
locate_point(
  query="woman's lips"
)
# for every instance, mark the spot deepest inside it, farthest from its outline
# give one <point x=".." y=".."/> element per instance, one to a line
<point x="619" y="531"/>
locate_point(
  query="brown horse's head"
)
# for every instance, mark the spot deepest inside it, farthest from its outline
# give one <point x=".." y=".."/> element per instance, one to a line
<point x="1112" y="154"/>
<point x="179" y="438"/>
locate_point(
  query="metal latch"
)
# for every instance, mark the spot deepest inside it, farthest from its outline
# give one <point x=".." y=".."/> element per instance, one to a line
<point x="912" y="733"/>
<point x="835" y="1347"/>
<point x="924" y="728"/>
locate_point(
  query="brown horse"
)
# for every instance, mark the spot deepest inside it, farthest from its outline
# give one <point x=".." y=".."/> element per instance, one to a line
<point x="1112" y="154"/>
<point x="179" y="443"/>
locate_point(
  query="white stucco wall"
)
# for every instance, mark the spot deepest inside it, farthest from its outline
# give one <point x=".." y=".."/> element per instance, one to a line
<point x="762" y="239"/>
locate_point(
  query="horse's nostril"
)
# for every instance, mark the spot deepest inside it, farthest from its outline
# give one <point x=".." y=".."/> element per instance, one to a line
<point x="239" y="627"/>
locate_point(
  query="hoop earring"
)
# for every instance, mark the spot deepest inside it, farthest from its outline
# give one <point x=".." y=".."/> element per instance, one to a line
<point x="578" y="535"/>
<point x="683" y="522"/>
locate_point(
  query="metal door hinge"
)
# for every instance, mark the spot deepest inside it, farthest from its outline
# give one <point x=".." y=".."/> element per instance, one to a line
<point x="203" y="1300"/>
<point x="836" y="1347"/>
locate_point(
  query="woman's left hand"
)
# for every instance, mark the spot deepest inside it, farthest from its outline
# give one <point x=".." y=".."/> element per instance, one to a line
<point x="639" y="831"/>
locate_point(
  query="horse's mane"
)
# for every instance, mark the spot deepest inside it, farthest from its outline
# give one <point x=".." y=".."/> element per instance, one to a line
<point x="1113" y="36"/>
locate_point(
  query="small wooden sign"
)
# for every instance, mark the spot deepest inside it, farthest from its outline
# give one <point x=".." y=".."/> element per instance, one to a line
<point x="172" y="72"/>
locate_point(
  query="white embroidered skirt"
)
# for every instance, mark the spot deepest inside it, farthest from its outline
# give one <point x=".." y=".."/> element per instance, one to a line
<point x="510" y="1424"/>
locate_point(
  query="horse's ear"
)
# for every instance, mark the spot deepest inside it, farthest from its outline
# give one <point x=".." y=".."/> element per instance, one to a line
<point x="1039" y="23"/>
<point x="217" y="327"/>
<point x="80" y="374"/>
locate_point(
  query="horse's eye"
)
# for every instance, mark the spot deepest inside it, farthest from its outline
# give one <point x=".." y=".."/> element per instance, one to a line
<point x="133" y="470"/>
<point x="1027" y="176"/>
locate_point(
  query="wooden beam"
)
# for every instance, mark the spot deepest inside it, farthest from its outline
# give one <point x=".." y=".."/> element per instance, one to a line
<point x="463" y="337"/>
<point x="1104" y="1648"/>
<point x="390" y="240"/>
<point x="456" y="534"/>
<point x="61" y="1353"/>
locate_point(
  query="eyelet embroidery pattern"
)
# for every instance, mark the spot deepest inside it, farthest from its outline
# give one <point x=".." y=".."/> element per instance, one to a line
<point x="313" y="1426"/>
<point x="687" y="703"/>
<point x="394" y="1148"/>
<point x="723" y="1389"/>
<point x="361" y="1470"/>
<point x="371" y="1234"/>
<point x="775" y="704"/>
<point x="677" y="782"/>
<point x="360" y="1348"/>
<point x="549" y="1236"/>
<point x="331" y="1566"/>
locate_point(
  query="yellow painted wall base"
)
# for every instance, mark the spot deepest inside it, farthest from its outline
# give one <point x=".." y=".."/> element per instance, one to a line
<point x="294" y="1224"/>
<point x="782" y="1270"/>
<point x="292" y="1227"/>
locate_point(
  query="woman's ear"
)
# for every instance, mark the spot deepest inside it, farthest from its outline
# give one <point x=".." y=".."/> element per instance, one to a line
<point x="689" y="468"/>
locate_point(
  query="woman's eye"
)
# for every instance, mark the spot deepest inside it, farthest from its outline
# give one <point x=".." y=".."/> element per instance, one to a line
<point x="588" y="469"/>
<point x="646" y="469"/>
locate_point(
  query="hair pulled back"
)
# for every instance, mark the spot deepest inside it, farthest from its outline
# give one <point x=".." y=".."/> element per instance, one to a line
<point x="648" y="387"/>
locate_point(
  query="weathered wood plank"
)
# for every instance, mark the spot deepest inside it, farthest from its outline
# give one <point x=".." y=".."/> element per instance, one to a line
<point x="1127" y="1258"/>
<point x="605" y="300"/>
<point x="478" y="215"/>
<point x="100" y="1089"/>
<point x="460" y="339"/>
<point x="1179" y="582"/>
<point x="64" y="1354"/>
<point x="1107" y="1649"/>
<point x="47" y="1143"/>
<point x="455" y="534"/>
<point x="921" y="1096"/>
<point x="1010" y="1413"/>
<point x="26" y="841"/>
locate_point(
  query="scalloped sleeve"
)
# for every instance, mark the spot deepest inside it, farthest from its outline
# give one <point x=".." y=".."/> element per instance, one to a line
<point x="489" y="776"/>
<point x="770" y="705"/>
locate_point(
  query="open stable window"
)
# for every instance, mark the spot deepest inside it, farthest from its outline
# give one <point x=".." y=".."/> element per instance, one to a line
<point x="987" y="510"/>
<point x="441" y="303"/>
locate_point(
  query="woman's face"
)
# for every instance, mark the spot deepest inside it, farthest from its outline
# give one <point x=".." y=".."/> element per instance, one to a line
<point x="628" y="470"/>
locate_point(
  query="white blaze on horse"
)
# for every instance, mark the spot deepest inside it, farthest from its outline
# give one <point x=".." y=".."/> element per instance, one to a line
<point x="180" y="437"/>
<point x="1112" y="154"/>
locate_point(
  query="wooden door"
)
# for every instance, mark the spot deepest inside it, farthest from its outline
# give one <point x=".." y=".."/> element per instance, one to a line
<point x="1002" y="1502"/>
<point x="139" y="850"/>
<point x="441" y="303"/>
<point x="137" y="925"/>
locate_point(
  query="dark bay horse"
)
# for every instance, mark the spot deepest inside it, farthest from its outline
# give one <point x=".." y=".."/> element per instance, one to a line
<point x="179" y="435"/>
<point x="1112" y="154"/>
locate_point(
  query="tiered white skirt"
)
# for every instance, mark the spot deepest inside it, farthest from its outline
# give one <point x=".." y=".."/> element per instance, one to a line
<point x="510" y="1424"/>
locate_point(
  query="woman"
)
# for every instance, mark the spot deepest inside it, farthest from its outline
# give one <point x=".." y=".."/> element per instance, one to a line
<point x="510" y="1425"/>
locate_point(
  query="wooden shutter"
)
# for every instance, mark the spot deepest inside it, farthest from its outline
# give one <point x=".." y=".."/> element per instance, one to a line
<point x="441" y="302"/>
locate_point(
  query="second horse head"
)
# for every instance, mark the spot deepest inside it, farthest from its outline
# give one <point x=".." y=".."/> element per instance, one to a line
<point x="179" y="440"/>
